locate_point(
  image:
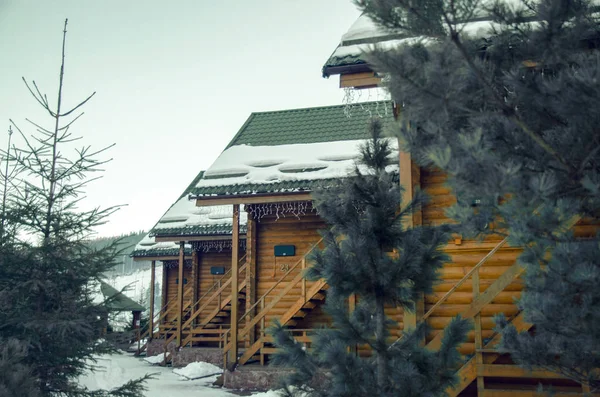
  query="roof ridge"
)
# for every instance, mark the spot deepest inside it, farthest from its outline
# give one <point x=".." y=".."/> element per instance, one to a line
<point x="318" y="107"/>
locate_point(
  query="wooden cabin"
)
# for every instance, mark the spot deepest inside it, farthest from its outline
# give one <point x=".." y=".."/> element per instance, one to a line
<point x="483" y="278"/>
<point x="194" y="245"/>
<point x="263" y="180"/>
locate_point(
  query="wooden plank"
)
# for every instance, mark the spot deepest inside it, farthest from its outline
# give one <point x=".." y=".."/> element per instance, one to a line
<point x="233" y="351"/>
<point x="514" y="371"/>
<point x="478" y="339"/>
<point x="151" y="309"/>
<point x="530" y="393"/>
<point x="359" y="80"/>
<point x="180" y="293"/>
<point x="254" y="199"/>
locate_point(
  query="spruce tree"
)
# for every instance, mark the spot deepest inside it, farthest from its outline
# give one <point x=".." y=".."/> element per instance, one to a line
<point x="509" y="110"/>
<point x="368" y="253"/>
<point x="50" y="319"/>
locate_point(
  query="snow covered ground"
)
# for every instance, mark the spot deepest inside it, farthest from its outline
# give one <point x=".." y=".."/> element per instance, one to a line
<point x="120" y="368"/>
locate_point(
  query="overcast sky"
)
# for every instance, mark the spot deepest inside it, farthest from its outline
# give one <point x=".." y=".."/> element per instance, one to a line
<point x="175" y="80"/>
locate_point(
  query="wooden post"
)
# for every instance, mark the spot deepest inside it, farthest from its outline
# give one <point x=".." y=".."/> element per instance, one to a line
<point x="251" y="274"/>
<point x="195" y="282"/>
<point x="235" y="247"/>
<point x="478" y="339"/>
<point x="165" y="293"/>
<point x="409" y="179"/>
<point x="304" y="280"/>
<point x="180" y="293"/>
<point x="151" y="311"/>
<point x="351" y="307"/>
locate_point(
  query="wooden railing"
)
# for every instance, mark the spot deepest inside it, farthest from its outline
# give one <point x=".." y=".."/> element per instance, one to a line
<point x="154" y="322"/>
<point x="266" y="307"/>
<point x="216" y="295"/>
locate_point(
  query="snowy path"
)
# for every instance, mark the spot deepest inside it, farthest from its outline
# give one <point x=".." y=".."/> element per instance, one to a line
<point x="120" y="368"/>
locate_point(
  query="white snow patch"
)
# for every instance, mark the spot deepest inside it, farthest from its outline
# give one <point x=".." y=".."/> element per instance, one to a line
<point x="198" y="370"/>
<point x="311" y="161"/>
<point x="155" y="359"/>
<point x="120" y="368"/>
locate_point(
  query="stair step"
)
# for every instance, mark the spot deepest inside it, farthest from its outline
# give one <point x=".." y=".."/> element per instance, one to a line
<point x="318" y="297"/>
<point x="309" y="305"/>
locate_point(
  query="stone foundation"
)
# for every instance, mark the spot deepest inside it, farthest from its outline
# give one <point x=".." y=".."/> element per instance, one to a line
<point x="157" y="346"/>
<point x="188" y="355"/>
<point x="254" y="377"/>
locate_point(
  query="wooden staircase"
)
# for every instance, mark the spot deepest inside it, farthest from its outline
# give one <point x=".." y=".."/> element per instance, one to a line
<point x="308" y="300"/>
<point x="296" y="312"/>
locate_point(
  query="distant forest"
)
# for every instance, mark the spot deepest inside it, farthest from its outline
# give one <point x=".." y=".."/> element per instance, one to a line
<point x="127" y="243"/>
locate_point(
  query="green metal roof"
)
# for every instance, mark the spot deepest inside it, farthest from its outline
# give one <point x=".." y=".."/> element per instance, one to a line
<point x="197" y="230"/>
<point x="157" y="252"/>
<point x="311" y="125"/>
<point x="301" y="126"/>
<point x="278" y="187"/>
<point x="117" y="301"/>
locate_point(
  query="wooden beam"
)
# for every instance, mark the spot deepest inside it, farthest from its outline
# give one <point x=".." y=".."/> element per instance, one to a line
<point x="514" y="371"/>
<point x="195" y="280"/>
<point x="478" y="338"/>
<point x="194" y="238"/>
<point x="165" y="286"/>
<point x="251" y="273"/>
<point x="180" y="293"/>
<point x="529" y="393"/>
<point x="151" y="311"/>
<point x="159" y="258"/>
<point x="409" y="180"/>
<point x="235" y="246"/>
<point x="253" y="199"/>
<point x="359" y="80"/>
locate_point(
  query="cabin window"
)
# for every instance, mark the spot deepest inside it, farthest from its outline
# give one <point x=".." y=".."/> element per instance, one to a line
<point x="184" y="281"/>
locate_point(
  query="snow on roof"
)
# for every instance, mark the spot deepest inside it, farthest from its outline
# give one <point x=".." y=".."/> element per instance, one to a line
<point x="244" y="165"/>
<point x="149" y="247"/>
<point x="364" y="28"/>
<point x="184" y="214"/>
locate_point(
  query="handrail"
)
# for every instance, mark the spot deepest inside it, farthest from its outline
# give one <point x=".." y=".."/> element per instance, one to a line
<point x="221" y="279"/>
<point x="458" y="284"/>
<point x="161" y="314"/>
<point x="215" y="294"/>
<point x="197" y="312"/>
<point x="281" y="279"/>
<point x="465" y="278"/>
<point x="260" y="315"/>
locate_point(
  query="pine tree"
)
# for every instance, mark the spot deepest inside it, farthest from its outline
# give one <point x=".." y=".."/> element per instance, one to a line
<point x="370" y="254"/>
<point x="511" y="114"/>
<point x="50" y="320"/>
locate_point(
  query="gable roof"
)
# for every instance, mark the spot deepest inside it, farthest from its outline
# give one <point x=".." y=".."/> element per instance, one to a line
<point x="184" y="219"/>
<point x="292" y="150"/>
<point x="364" y="34"/>
<point x="117" y="301"/>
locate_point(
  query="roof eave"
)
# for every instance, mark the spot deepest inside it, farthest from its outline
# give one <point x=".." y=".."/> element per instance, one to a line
<point x="346" y="69"/>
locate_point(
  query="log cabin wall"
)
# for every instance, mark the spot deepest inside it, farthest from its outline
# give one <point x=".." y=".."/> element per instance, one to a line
<point x="171" y="289"/>
<point x="300" y="232"/>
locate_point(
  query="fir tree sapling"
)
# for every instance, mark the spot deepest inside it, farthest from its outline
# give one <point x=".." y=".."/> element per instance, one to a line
<point x="50" y="320"/>
<point x="509" y="110"/>
<point x="369" y="254"/>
